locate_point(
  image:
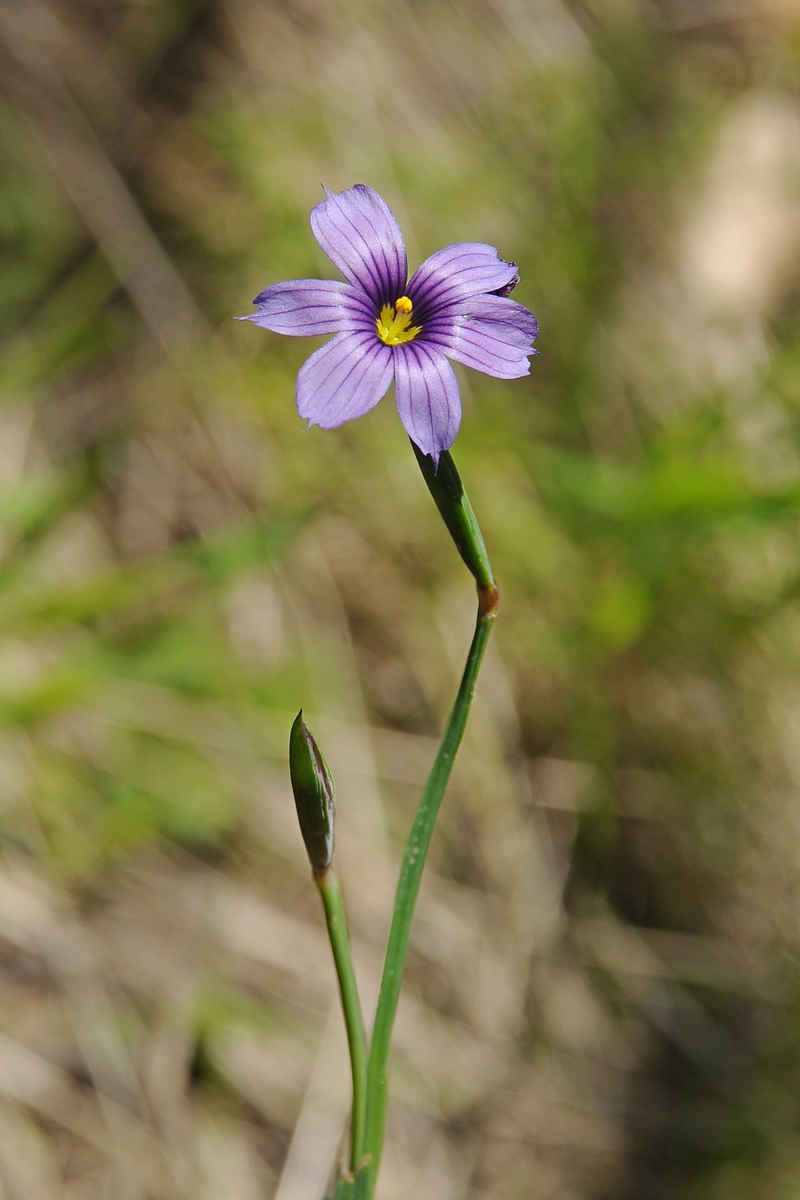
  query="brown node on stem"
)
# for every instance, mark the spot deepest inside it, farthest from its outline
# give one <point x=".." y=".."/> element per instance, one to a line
<point x="488" y="600"/>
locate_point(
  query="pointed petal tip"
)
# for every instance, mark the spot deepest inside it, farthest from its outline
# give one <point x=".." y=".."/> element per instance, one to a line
<point x="307" y="307"/>
<point x="427" y="396"/>
<point x="434" y="453"/>
<point x="360" y="236"/>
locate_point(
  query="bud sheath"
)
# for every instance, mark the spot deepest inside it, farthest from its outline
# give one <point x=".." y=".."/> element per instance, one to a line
<point x="444" y="484"/>
<point x="313" y="789"/>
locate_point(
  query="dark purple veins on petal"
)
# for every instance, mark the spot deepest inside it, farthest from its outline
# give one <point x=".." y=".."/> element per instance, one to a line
<point x="428" y="398"/>
<point x="461" y="310"/>
<point x="303" y="307"/>
<point x="360" y="236"/>
<point x="457" y="274"/>
<point x="344" y="379"/>
<point x="496" y="336"/>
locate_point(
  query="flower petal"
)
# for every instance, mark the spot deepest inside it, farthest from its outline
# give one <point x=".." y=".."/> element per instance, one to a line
<point x="455" y="274"/>
<point x="512" y="321"/>
<point x="358" y="233"/>
<point x="344" y="379"/>
<point x="428" y="399"/>
<point x="303" y="307"/>
<point x="496" y="336"/>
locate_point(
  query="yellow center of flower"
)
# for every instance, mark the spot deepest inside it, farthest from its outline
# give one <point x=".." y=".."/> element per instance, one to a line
<point x="394" y="324"/>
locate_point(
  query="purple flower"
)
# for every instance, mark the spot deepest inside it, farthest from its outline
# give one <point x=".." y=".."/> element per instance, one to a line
<point x="387" y="327"/>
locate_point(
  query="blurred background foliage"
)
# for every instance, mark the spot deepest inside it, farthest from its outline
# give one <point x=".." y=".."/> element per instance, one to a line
<point x="604" y="991"/>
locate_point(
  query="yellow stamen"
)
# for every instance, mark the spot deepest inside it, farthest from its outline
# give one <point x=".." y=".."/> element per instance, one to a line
<point x="394" y="326"/>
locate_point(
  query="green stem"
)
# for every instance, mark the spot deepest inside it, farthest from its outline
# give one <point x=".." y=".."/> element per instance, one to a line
<point x="333" y="903"/>
<point x="407" y="890"/>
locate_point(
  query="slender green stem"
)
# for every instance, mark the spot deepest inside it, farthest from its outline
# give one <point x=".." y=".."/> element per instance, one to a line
<point x="333" y="903"/>
<point x="407" y="890"/>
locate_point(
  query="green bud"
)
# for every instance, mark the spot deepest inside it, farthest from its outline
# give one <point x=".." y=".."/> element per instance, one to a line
<point x="313" y="789"/>
<point x="444" y="484"/>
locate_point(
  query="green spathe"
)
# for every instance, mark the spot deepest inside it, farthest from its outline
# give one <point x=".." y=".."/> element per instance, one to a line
<point x="312" y="784"/>
<point x="444" y="484"/>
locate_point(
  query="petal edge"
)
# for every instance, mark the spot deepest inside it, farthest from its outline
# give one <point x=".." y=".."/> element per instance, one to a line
<point x="454" y="275"/>
<point x="305" y="307"/>
<point x="358" y="232"/>
<point x="344" y="379"/>
<point x="428" y="399"/>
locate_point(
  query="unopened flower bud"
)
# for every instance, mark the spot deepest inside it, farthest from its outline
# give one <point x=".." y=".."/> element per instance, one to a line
<point x="313" y="789"/>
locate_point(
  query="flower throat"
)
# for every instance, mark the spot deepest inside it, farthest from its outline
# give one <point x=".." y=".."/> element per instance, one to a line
<point x="394" y="326"/>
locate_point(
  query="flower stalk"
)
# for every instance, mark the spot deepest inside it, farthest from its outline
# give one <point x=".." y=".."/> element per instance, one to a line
<point x="405" y="901"/>
<point x="333" y="903"/>
<point x="313" y="787"/>
<point x="314" y="796"/>
<point x="453" y="504"/>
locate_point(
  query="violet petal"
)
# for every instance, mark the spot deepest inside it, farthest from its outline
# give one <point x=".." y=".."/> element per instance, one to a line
<point x="303" y="307"/>
<point x="344" y="379"/>
<point x="358" y="233"/>
<point x="455" y="274"/>
<point x="511" y="320"/>
<point x="496" y="336"/>
<point x="428" y="399"/>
